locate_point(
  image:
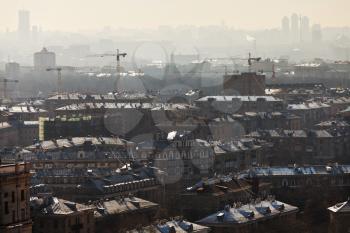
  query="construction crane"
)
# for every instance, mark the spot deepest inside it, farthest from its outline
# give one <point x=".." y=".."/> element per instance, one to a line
<point x="118" y="55"/>
<point x="5" y="81"/>
<point x="250" y="59"/>
<point x="59" y="77"/>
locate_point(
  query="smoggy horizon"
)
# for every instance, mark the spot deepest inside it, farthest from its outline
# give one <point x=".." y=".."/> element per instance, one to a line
<point x="65" y="15"/>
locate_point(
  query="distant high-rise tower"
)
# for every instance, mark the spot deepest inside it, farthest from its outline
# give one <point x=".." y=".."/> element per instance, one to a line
<point x="316" y="33"/>
<point x="295" y="32"/>
<point x="12" y="70"/>
<point x="44" y="59"/>
<point x="305" y="29"/>
<point x="285" y="27"/>
<point x="35" y="33"/>
<point x="23" y="24"/>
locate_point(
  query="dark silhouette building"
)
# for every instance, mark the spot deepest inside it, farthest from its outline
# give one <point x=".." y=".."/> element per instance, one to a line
<point x="251" y="84"/>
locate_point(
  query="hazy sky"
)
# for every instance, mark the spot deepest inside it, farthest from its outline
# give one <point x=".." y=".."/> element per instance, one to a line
<point x="95" y="14"/>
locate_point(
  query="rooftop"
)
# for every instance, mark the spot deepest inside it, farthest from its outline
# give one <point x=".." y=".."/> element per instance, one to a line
<point x="49" y="205"/>
<point x="290" y="134"/>
<point x="174" y="226"/>
<point x="150" y="106"/>
<point x="309" y="105"/>
<point x="66" y="143"/>
<point x="220" y="185"/>
<point x="12" y="169"/>
<point x="122" y="205"/>
<point x="239" y="98"/>
<point x="25" y="109"/>
<point x="249" y="213"/>
<point x="115" y="96"/>
<point x="297" y="170"/>
<point x="343" y="207"/>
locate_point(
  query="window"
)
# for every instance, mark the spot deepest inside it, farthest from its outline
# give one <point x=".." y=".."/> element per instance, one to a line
<point x="13" y="197"/>
<point x="23" y="214"/>
<point x="22" y="195"/>
<point x="13" y="216"/>
<point x="6" y="207"/>
<point x="6" y="194"/>
<point x="55" y="224"/>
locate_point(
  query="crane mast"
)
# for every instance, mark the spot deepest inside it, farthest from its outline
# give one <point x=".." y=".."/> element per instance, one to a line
<point x="118" y="56"/>
<point x="5" y="81"/>
<point x="59" y="78"/>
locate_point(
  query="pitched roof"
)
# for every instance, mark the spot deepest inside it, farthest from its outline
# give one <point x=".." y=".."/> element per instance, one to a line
<point x="248" y="213"/>
<point x="341" y="207"/>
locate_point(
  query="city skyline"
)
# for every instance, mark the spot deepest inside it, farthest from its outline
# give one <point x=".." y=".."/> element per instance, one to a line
<point x="92" y="15"/>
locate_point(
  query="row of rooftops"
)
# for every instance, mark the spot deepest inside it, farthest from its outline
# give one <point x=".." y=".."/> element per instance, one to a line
<point x="290" y="134"/>
<point x="5" y="125"/>
<point x="243" y="144"/>
<point x="334" y="123"/>
<point x="151" y="106"/>
<point x="176" y="225"/>
<point x="340" y="100"/>
<point x="25" y="109"/>
<point x="297" y="171"/>
<point x="260" y="115"/>
<point x="257" y="210"/>
<point x="46" y="204"/>
<point x="77" y="142"/>
<point x="97" y="97"/>
<point x="307" y="106"/>
<point x="239" y="98"/>
<point x="218" y="185"/>
<point x="99" y="178"/>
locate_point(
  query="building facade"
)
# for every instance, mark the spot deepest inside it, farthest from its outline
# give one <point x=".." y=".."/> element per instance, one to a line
<point x="14" y="198"/>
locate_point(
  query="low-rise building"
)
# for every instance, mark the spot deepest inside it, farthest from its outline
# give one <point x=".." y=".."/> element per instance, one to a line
<point x="310" y="113"/>
<point x="300" y="146"/>
<point x="216" y="193"/>
<point x="218" y="105"/>
<point x="176" y="225"/>
<point x="305" y="182"/>
<point x="257" y="216"/>
<point x="238" y="154"/>
<point x="339" y="217"/>
<point x="122" y="214"/>
<point x="57" y="101"/>
<point x="27" y="113"/>
<point x="249" y="83"/>
<point x="182" y="158"/>
<point x="99" y="183"/>
<point x="54" y="215"/>
<point x="18" y="133"/>
<point x="14" y="200"/>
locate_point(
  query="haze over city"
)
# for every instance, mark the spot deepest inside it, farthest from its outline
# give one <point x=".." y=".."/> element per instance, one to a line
<point x="174" y="116"/>
<point x="69" y="15"/>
